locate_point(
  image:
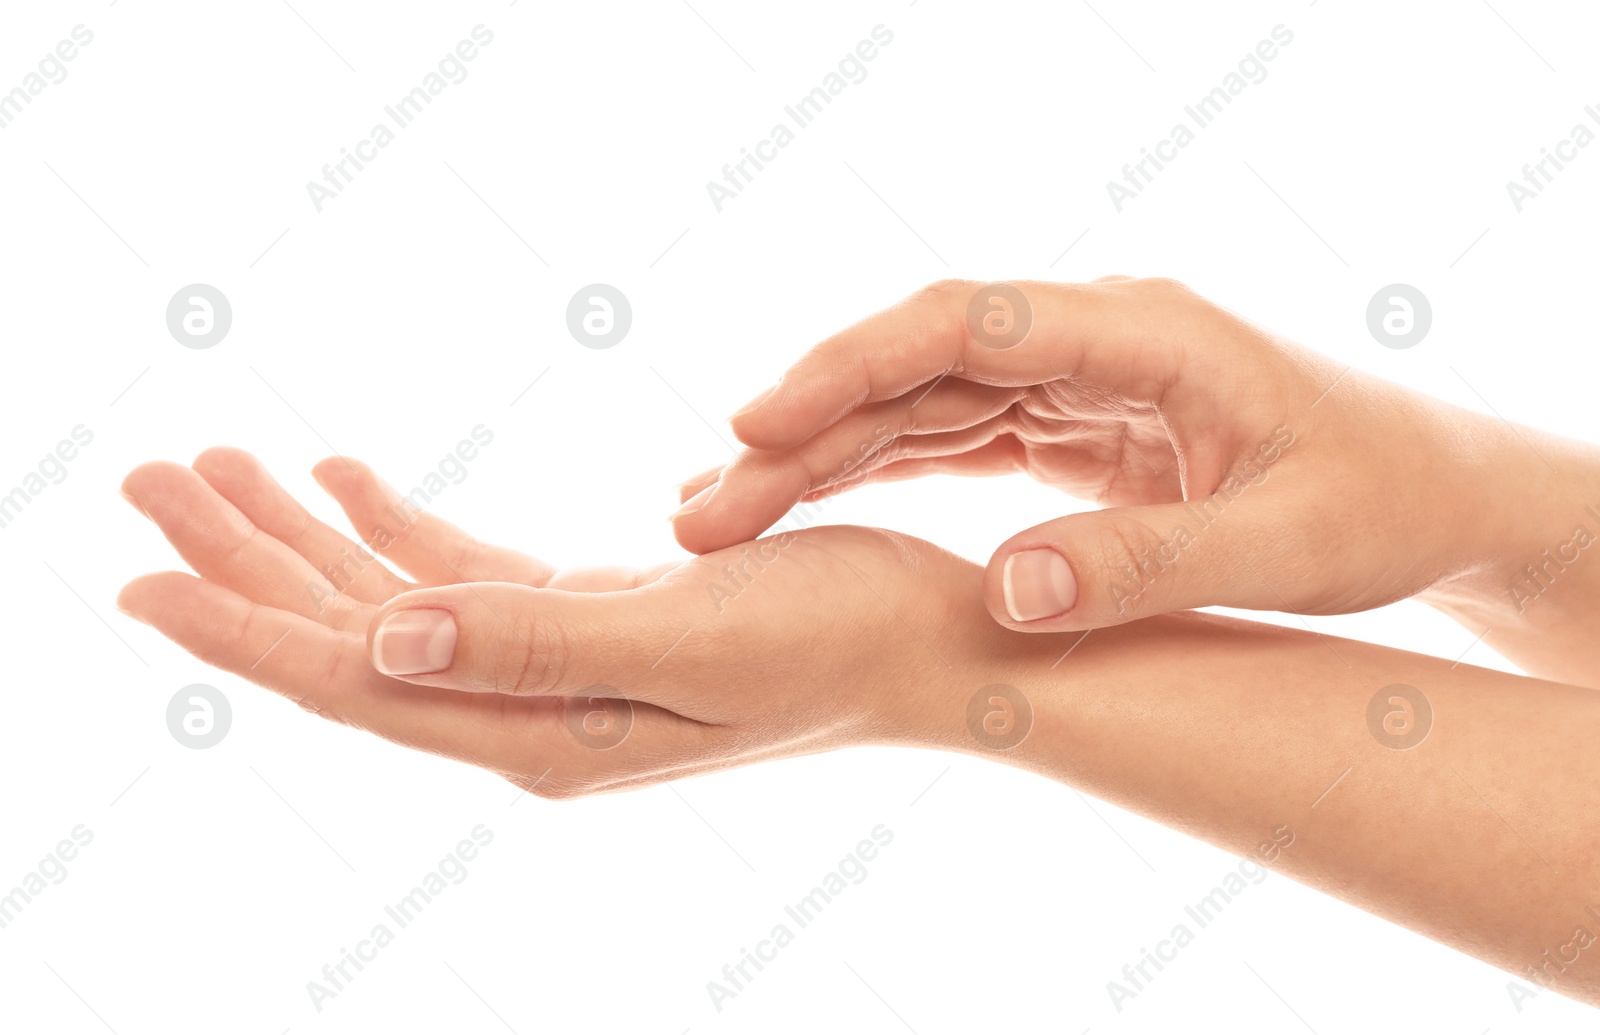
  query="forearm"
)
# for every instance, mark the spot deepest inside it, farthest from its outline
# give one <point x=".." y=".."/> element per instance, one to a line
<point x="1480" y="836"/>
<point x="1530" y="584"/>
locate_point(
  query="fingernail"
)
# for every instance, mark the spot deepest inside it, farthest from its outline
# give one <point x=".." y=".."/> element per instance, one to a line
<point x="696" y="501"/>
<point x="704" y="478"/>
<point x="1038" y="584"/>
<point x="689" y="490"/>
<point x="409" y="643"/>
<point x="753" y="404"/>
<point x="134" y="502"/>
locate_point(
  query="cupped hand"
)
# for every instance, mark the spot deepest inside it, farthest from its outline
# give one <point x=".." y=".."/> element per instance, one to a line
<point x="563" y="682"/>
<point x="1235" y="468"/>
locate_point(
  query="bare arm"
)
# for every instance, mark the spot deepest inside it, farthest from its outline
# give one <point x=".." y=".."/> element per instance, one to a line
<point x="1481" y="835"/>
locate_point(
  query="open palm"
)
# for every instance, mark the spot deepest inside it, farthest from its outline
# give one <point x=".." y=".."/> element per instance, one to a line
<point x="563" y="682"/>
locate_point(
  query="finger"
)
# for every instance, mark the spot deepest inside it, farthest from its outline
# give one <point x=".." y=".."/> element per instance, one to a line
<point x="691" y="487"/>
<point x="1103" y="568"/>
<point x="1090" y="459"/>
<point x="696" y="485"/>
<point x="1002" y="455"/>
<point x="555" y="747"/>
<point x="1125" y="335"/>
<point x="242" y="480"/>
<point x="225" y="547"/>
<point x="761" y="486"/>
<point x="430" y="548"/>
<point x="605" y="579"/>
<point x="504" y="639"/>
<point x="321" y="669"/>
<point x="937" y="448"/>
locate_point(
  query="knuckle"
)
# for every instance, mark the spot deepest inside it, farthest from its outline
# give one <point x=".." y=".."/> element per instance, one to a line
<point x="463" y="552"/>
<point x="550" y="785"/>
<point x="1133" y="564"/>
<point x="942" y="309"/>
<point x="947" y="289"/>
<point x="1165" y="287"/>
<point x="544" y="649"/>
<point x="313" y="706"/>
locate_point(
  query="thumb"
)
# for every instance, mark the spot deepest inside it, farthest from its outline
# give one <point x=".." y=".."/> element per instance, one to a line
<point x="1103" y="568"/>
<point x="500" y="637"/>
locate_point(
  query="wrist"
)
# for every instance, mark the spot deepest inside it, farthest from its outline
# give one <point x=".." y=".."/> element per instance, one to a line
<point x="973" y="687"/>
<point x="1523" y="524"/>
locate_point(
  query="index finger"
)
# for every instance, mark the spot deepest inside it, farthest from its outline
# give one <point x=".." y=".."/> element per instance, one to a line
<point x="1123" y="335"/>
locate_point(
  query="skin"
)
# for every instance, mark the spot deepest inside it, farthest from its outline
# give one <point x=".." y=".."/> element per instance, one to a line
<point x="1147" y="399"/>
<point x="1231" y="731"/>
<point x="1277" y="744"/>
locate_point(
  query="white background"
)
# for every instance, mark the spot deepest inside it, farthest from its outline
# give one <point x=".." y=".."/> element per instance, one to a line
<point x="414" y="307"/>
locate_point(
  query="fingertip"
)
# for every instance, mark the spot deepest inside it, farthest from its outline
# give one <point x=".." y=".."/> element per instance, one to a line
<point x="342" y="476"/>
<point x="145" y="481"/>
<point x="770" y="420"/>
<point x="696" y="535"/>
<point x="691" y="487"/>
<point x="709" y="529"/>
<point x="331" y="469"/>
<point x="135" y="598"/>
<point x="763" y="429"/>
<point x="151" y="469"/>
<point x="696" y="503"/>
<point x="693" y="533"/>
<point x="754" y="405"/>
<point x="748" y="497"/>
<point x="220" y="458"/>
<point x="126" y="493"/>
<point x="128" y="598"/>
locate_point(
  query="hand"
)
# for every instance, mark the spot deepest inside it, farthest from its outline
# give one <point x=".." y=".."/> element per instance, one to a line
<point x="564" y="682"/>
<point x="1237" y="469"/>
<point x="839" y="636"/>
